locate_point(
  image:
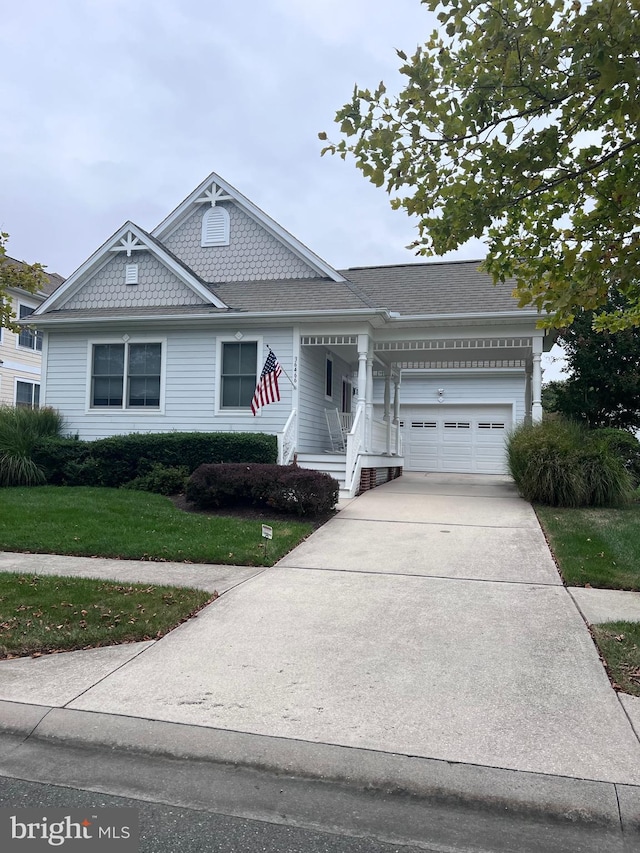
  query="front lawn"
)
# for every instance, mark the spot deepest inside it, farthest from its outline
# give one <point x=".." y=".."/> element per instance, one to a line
<point x="619" y="643"/>
<point x="42" y="614"/>
<point x="598" y="547"/>
<point x="88" y="521"/>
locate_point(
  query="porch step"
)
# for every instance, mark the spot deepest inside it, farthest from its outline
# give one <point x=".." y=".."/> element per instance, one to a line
<point x="334" y="464"/>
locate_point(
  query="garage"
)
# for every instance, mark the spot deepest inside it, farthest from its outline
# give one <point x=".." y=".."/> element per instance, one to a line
<point x="465" y="439"/>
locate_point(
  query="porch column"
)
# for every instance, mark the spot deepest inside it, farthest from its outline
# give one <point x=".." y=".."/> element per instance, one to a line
<point x="527" y="395"/>
<point x="396" y="411"/>
<point x="363" y="351"/>
<point x="387" y="408"/>
<point x="369" y="400"/>
<point x="536" y="382"/>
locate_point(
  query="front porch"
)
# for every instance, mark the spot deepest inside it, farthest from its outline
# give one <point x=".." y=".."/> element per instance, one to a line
<point x="348" y="417"/>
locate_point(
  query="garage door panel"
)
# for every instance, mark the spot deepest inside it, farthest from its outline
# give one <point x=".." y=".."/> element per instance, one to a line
<point x="464" y="439"/>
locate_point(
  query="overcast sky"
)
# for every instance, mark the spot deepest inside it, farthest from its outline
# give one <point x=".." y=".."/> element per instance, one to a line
<point x="118" y="109"/>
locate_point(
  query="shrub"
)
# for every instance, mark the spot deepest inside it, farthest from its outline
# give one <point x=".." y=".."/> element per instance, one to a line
<point x="625" y="445"/>
<point x="118" y="460"/>
<point x="561" y="463"/>
<point x="281" y="488"/>
<point x="160" y="479"/>
<point x="20" y="430"/>
<point x="60" y="459"/>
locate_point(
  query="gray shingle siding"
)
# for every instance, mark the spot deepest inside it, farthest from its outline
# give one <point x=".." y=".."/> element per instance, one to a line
<point x="252" y="254"/>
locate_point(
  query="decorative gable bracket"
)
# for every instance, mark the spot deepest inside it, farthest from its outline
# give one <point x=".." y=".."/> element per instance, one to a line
<point x="129" y="243"/>
<point x="212" y="195"/>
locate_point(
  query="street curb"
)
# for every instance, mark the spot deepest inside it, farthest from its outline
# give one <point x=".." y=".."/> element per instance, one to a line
<point x="584" y="802"/>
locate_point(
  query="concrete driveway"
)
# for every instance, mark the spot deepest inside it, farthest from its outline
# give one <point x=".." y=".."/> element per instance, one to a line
<point x="426" y="619"/>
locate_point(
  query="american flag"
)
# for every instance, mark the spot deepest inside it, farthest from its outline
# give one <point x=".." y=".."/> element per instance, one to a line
<point x="267" y="390"/>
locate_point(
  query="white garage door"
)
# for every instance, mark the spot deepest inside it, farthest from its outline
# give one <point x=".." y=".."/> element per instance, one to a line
<point x="464" y="439"/>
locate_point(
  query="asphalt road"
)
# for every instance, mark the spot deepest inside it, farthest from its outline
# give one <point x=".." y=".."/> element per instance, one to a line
<point x="167" y="829"/>
<point x="197" y="806"/>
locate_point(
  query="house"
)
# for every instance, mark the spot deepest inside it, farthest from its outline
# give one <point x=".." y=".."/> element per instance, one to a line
<point x="421" y="366"/>
<point x="21" y="353"/>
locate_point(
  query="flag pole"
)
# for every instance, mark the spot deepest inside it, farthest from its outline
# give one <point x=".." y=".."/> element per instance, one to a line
<point x="281" y="367"/>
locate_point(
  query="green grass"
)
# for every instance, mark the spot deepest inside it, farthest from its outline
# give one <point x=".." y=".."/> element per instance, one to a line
<point x="619" y="644"/>
<point x="87" y="521"/>
<point x="599" y="547"/>
<point x="42" y="614"/>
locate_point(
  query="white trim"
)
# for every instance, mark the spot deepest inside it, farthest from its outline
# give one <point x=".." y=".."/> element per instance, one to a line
<point x="124" y="409"/>
<point x="43" y="368"/>
<point x="219" y="411"/>
<point x="104" y="254"/>
<point x="31" y="382"/>
<point x="168" y="225"/>
<point x="18" y="365"/>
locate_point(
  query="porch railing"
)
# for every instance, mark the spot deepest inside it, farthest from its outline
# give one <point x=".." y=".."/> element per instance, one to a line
<point x="287" y="440"/>
<point x="355" y="444"/>
<point x="384" y="437"/>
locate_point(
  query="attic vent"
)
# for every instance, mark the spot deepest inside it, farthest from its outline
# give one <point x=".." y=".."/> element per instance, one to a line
<point x="215" y="227"/>
<point x="131" y="274"/>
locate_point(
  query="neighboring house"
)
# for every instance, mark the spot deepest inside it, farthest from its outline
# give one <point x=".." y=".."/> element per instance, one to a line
<point x="424" y="366"/>
<point x="21" y="354"/>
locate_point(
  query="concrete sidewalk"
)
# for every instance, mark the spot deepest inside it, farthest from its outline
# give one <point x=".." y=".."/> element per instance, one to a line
<point x="426" y="620"/>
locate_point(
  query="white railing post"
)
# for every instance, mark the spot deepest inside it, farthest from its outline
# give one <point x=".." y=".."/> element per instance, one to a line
<point x="287" y="440"/>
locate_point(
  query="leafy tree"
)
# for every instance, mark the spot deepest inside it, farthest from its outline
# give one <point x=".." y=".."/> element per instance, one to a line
<point x="603" y="388"/>
<point x="519" y="123"/>
<point x="29" y="277"/>
<point x="550" y="392"/>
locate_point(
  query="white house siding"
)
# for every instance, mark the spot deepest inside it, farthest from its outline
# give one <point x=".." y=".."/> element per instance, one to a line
<point x="486" y="404"/>
<point x="461" y="387"/>
<point x="253" y="254"/>
<point x="157" y="285"/>
<point x="313" y="434"/>
<point x="190" y="384"/>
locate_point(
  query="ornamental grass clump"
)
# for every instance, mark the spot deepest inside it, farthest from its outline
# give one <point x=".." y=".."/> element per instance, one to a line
<point x="20" y="429"/>
<point x="561" y="463"/>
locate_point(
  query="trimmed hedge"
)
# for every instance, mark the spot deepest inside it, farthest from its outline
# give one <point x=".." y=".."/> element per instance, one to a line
<point x="561" y="463"/>
<point x="118" y="460"/>
<point x="282" y="488"/>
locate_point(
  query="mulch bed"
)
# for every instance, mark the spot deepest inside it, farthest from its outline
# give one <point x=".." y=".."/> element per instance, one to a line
<point x="248" y="512"/>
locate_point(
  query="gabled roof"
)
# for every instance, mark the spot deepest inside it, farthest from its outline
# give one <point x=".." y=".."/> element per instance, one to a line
<point x="52" y="279"/>
<point x="186" y="207"/>
<point x="440" y="287"/>
<point x="138" y="239"/>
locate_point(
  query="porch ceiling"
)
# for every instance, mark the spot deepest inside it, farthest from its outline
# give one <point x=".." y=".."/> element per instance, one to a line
<point x="446" y="353"/>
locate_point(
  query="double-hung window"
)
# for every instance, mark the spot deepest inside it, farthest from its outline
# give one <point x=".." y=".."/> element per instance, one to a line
<point x="27" y="394"/>
<point x="238" y="374"/>
<point x="29" y="338"/>
<point x="126" y="375"/>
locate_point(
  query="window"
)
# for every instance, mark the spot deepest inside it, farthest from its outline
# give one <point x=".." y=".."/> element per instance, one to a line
<point x="347" y="395"/>
<point x="215" y="227"/>
<point x="27" y="394"/>
<point x="126" y="373"/>
<point x="28" y="338"/>
<point x="238" y="376"/>
<point x="328" y="379"/>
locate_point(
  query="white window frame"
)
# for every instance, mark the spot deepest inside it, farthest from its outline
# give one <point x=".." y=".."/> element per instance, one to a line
<point x="33" y="386"/>
<point x="137" y="411"/>
<point x="230" y="339"/>
<point x="37" y="336"/>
